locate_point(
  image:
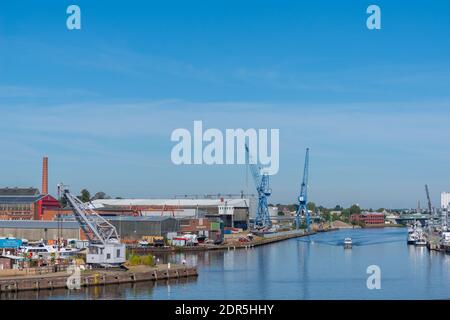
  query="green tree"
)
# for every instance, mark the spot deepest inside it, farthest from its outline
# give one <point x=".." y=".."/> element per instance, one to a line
<point x="380" y="210"/>
<point x="345" y="215"/>
<point x="355" y="209"/>
<point x="100" y="195"/>
<point x="85" y="196"/>
<point x="326" y="215"/>
<point x="311" y="206"/>
<point x="63" y="202"/>
<point x="292" y="207"/>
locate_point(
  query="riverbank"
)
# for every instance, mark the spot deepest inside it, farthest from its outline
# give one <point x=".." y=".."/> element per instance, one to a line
<point x="96" y="277"/>
<point x="383" y="226"/>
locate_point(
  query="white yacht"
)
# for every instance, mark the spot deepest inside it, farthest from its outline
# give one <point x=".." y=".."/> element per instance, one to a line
<point x="39" y="251"/>
<point x="413" y="233"/>
<point x="421" y="238"/>
<point x="412" y="237"/>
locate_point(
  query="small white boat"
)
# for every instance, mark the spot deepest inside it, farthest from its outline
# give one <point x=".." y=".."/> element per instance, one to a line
<point x="421" y="240"/>
<point x="421" y="237"/>
<point x="347" y="243"/>
<point x="36" y="252"/>
<point x="412" y="237"/>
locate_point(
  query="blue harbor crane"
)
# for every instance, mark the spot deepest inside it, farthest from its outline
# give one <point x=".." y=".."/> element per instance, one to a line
<point x="262" y="219"/>
<point x="303" y="197"/>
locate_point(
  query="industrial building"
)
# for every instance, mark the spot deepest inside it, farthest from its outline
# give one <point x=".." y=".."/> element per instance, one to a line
<point x="129" y="228"/>
<point x="24" y="203"/>
<point x="445" y="200"/>
<point x="368" y="218"/>
<point x="37" y="230"/>
<point x="134" y="228"/>
<point x="233" y="211"/>
<point x="27" y="203"/>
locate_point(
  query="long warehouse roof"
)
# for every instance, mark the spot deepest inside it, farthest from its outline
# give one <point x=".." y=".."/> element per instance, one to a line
<point x="37" y="224"/>
<point x="242" y="203"/>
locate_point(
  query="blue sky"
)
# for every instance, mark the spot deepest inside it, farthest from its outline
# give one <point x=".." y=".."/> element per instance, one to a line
<point x="101" y="102"/>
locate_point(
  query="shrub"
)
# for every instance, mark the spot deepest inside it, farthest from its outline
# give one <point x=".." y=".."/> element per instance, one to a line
<point x="134" y="260"/>
<point x="147" y="260"/>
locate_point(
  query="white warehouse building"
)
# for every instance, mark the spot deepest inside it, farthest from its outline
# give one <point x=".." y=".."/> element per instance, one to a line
<point x="445" y="200"/>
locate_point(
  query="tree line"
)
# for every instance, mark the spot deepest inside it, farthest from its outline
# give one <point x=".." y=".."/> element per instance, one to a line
<point x="336" y="213"/>
<point x="85" y="196"/>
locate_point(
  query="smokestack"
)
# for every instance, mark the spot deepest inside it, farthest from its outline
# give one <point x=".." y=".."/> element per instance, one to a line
<point x="45" y="175"/>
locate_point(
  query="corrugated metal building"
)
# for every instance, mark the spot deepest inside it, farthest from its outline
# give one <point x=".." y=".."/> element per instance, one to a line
<point x="37" y="230"/>
<point x="134" y="228"/>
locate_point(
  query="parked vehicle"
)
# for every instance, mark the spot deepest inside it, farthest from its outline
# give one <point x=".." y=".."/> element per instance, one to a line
<point x="155" y="241"/>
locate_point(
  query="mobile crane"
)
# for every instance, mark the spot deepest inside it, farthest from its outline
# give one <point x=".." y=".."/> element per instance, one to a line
<point x="105" y="249"/>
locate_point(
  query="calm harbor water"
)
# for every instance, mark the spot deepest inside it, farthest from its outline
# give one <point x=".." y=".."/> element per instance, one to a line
<point x="315" y="267"/>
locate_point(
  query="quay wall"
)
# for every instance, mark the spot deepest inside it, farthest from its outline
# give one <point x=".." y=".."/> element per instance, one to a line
<point x="94" y="278"/>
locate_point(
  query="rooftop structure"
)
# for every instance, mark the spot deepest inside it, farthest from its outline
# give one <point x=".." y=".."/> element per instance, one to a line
<point x="19" y="192"/>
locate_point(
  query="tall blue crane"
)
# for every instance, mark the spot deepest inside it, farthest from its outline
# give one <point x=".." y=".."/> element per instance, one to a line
<point x="261" y="180"/>
<point x="303" y="197"/>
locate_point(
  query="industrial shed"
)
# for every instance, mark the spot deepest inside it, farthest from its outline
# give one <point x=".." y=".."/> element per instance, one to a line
<point x="134" y="228"/>
<point x="36" y="230"/>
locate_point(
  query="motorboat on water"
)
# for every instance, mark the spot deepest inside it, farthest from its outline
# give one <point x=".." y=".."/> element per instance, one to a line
<point x="413" y="233"/>
<point x="347" y="243"/>
<point x="44" y="251"/>
<point x="421" y="238"/>
<point x="412" y="237"/>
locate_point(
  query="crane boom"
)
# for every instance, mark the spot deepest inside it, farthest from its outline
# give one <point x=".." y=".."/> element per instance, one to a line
<point x="430" y="209"/>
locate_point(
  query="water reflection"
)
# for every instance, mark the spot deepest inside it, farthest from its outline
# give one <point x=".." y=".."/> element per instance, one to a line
<point x="315" y="267"/>
<point x="139" y="290"/>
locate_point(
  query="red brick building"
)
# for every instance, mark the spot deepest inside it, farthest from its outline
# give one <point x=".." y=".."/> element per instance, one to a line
<point x="24" y="204"/>
<point x="369" y="218"/>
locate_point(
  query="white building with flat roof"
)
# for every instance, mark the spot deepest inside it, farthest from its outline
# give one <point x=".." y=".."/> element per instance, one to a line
<point x="235" y="211"/>
<point x="445" y="200"/>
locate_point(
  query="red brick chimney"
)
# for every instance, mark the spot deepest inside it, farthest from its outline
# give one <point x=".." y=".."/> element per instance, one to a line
<point x="44" y="175"/>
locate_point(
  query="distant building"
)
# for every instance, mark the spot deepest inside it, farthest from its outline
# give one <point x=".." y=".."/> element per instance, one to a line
<point x="445" y="200"/>
<point x="24" y="203"/>
<point x="368" y="218"/>
<point x="134" y="228"/>
<point x="391" y="218"/>
<point x="27" y="203"/>
<point x="233" y="211"/>
<point x="273" y="211"/>
<point x="336" y="212"/>
<point x="202" y="226"/>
